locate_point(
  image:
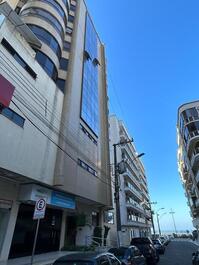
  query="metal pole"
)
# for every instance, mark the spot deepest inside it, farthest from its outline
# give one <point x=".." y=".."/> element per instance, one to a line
<point x="152" y="217"/>
<point x="158" y="221"/>
<point x="172" y="213"/>
<point x="35" y="242"/>
<point x="117" y="195"/>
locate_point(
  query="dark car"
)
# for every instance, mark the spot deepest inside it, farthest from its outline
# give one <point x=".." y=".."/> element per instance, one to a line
<point x="158" y="246"/>
<point x="195" y="258"/>
<point x="129" y="255"/>
<point x="145" y="245"/>
<point x="89" y="258"/>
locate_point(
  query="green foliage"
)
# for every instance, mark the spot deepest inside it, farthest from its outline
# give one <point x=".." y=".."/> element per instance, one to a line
<point x="81" y="220"/>
<point x="97" y="235"/>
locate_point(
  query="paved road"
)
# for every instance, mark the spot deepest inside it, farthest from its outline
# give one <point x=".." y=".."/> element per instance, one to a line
<point x="178" y="253"/>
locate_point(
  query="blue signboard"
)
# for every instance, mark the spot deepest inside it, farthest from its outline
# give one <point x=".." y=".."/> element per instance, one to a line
<point x="61" y="200"/>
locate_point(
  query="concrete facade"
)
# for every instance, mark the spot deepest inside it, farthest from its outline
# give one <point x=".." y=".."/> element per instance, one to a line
<point x="55" y="154"/>
<point x="134" y="195"/>
<point x="187" y="154"/>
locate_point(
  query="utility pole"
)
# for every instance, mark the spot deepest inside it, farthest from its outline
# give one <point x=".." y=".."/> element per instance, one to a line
<point x="153" y="226"/>
<point x="117" y="188"/>
<point x="117" y="195"/>
<point x="158" y="222"/>
<point x="172" y="214"/>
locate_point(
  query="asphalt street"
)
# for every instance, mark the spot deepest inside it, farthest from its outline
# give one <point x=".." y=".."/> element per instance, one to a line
<point x="178" y="253"/>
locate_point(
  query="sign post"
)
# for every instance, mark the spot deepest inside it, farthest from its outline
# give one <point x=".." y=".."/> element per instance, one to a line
<point x="39" y="213"/>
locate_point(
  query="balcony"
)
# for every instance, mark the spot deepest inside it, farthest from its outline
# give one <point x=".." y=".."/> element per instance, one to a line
<point x="146" y="204"/>
<point x="148" y="213"/>
<point x="195" y="157"/>
<point x="197" y="177"/>
<point x="132" y="191"/>
<point x="137" y="221"/>
<point x="145" y="194"/>
<point x="191" y="119"/>
<point x="193" y="138"/>
<point x="131" y="204"/>
<point x="132" y="178"/>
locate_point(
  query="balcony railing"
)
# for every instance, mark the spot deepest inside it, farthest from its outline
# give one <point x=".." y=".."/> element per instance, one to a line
<point x="133" y="218"/>
<point x="134" y="204"/>
<point x="132" y="177"/>
<point x="193" y="134"/>
<point x="190" y="119"/>
<point x="195" y="153"/>
<point x="133" y="191"/>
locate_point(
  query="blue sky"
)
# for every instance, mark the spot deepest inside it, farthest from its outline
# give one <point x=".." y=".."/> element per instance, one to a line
<point x="152" y="50"/>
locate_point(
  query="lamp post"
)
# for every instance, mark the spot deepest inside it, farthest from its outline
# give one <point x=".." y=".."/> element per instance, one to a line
<point x="174" y="224"/>
<point x="117" y="188"/>
<point x="152" y="212"/>
<point x="119" y="170"/>
<point x="158" y="221"/>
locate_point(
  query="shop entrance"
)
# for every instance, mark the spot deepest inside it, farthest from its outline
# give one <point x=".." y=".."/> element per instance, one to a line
<point x="71" y="230"/>
<point x="48" y="236"/>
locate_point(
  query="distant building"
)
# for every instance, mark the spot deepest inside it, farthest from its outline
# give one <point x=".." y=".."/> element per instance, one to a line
<point x="188" y="155"/>
<point x="134" y="195"/>
<point x="54" y="139"/>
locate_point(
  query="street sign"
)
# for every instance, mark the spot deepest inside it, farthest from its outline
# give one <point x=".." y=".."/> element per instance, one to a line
<point x="40" y="208"/>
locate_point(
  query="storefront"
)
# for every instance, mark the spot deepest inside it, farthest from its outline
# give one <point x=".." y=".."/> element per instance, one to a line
<point x="50" y="229"/>
<point x="8" y="214"/>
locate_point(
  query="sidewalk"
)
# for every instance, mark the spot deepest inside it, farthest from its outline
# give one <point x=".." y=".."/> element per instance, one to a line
<point x="42" y="259"/>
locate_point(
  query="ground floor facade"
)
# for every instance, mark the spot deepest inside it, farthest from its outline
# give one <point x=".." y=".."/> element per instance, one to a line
<point x="129" y="232"/>
<point x="68" y="221"/>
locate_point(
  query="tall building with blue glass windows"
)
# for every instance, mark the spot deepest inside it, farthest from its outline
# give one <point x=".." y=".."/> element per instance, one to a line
<point x="54" y="134"/>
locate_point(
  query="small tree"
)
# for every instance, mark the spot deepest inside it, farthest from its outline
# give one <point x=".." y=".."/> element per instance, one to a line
<point x="97" y="235"/>
<point x="106" y="230"/>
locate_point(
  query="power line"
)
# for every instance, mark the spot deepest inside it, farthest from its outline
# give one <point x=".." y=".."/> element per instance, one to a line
<point x="39" y="99"/>
<point x="52" y="113"/>
<point x="43" y="133"/>
<point x="59" y="134"/>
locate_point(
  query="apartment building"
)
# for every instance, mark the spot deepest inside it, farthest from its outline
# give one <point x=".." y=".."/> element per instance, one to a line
<point x="54" y="130"/>
<point x="134" y="196"/>
<point x="188" y="155"/>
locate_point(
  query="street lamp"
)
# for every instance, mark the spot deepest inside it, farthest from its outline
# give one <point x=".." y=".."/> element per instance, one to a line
<point x="174" y="224"/>
<point x="152" y="212"/>
<point x="120" y="168"/>
<point x="158" y="221"/>
<point x="138" y="156"/>
<point x="117" y="187"/>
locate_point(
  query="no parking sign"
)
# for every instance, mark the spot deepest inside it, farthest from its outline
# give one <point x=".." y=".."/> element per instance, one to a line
<point x="40" y="208"/>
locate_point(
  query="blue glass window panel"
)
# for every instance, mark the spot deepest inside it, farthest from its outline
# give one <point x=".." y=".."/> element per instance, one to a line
<point x="47" y="38"/>
<point x="13" y="116"/>
<point x="90" y="90"/>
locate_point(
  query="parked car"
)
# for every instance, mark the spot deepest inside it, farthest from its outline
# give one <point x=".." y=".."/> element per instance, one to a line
<point x="195" y="258"/>
<point x="164" y="240"/>
<point x="158" y="246"/>
<point x="88" y="258"/>
<point x="129" y="255"/>
<point x="145" y="245"/>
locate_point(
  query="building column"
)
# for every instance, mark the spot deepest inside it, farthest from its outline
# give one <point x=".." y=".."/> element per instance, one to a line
<point x="10" y="231"/>
<point x="63" y="230"/>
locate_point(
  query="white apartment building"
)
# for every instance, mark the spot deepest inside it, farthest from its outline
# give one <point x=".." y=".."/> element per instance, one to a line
<point x="54" y="134"/>
<point x="134" y="196"/>
<point x="188" y="155"/>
